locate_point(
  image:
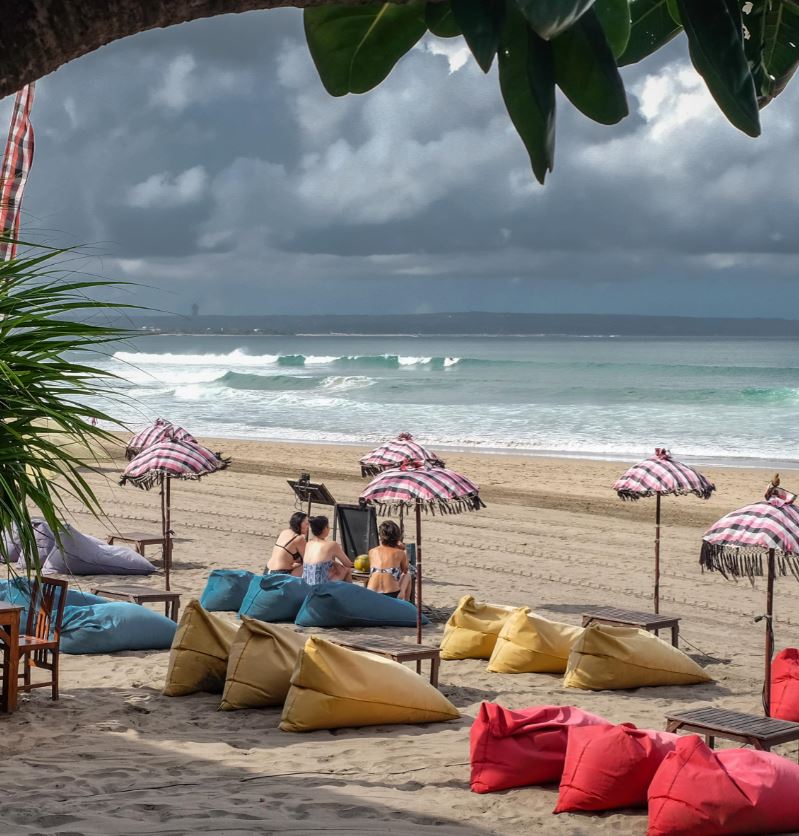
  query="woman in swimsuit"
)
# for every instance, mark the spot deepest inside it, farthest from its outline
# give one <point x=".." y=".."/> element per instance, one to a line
<point x="324" y="561"/>
<point x="289" y="548"/>
<point x="388" y="564"/>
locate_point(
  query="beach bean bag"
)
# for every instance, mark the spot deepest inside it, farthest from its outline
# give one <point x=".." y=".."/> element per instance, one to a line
<point x="113" y="626"/>
<point x="198" y="659"/>
<point x="785" y="685"/>
<point x="699" y="792"/>
<point x="334" y="687"/>
<point x="18" y="591"/>
<point x="12" y="547"/>
<point x="608" y="767"/>
<point x="260" y="665"/>
<point x="45" y="539"/>
<point x="225" y="590"/>
<point x="274" y="597"/>
<point x="80" y="554"/>
<point x="521" y="748"/>
<point x="529" y="643"/>
<point x="340" y="604"/>
<point x="609" y="658"/>
<point x="472" y="629"/>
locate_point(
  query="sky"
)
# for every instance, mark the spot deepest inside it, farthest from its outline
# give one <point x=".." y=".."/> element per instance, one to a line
<point x="207" y="164"/>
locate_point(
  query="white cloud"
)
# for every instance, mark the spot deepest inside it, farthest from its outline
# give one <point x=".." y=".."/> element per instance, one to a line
<point x="176" y="90"/>
<point x="160" y="192"/>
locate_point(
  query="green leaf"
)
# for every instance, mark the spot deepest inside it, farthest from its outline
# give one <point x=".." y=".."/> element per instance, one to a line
<point x="614" y="15"/>
<point x="715" y="43"/>
<point x="551" y="17"/>
<point x="754" y="21"/>
<point x="440" y="20"/>
<point x="481" y="24"/>
<point x="651" y="27"/>
<point x="586" y="71"/>
<point x="356" y="47"/>
<point x="781" y="46"/>
<point x="674" y="11"/>
<point x="527" y="81"/>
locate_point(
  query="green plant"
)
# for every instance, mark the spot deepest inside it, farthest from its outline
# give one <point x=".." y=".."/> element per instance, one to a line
<point x="47" y="429"/>
<point x="745" y="50"/>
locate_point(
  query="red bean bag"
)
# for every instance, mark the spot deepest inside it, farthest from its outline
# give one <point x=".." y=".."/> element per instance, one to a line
<point x="610" y="766"/>
<point x="521" y="748"/>
<point x="699" y="792"/>
<point x="785" y="685"/>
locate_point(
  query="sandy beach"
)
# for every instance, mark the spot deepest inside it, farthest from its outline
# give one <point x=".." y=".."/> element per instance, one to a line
<point x="113" y="756"/>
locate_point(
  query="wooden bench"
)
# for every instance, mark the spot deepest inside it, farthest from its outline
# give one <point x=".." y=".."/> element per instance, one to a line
<point x="759" y="732"/>
<point x="142" y="595"/>
<point x="631" y="618"/>
<point x="397" y="650"/>
<point x="139" y="539"/>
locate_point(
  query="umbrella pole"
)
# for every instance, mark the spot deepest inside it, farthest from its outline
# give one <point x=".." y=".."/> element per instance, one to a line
<point x="769" y="633"/>
<point x="657" y="554"/>
<point x="418" y="578"/>
<point x="167" y="532"/>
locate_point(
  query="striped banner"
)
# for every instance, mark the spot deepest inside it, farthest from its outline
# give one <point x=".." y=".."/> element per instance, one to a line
<point x="661" y="474"/>
<point x="17" y="161"/>
<point x="173" y="459"/>
<point x="402" y="450"/>
<point x="434" y="488"/>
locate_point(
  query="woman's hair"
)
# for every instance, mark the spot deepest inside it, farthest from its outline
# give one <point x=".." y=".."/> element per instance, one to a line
<point x="318" y="525"/>
<point x="295" y="523"/>
<point x="389" y="534"/>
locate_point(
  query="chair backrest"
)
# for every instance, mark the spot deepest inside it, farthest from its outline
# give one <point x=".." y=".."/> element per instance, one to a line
<point x="358" y="527"/>
<point x="46" y="611"/>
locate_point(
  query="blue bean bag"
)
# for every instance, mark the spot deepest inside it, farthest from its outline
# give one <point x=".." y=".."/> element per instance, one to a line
<point x="18" y="591"/>
<point x="339" y="604"/>
<point x="274" y="597"/>
<point x="225" y="590"/>
<point x="113" y="626"/>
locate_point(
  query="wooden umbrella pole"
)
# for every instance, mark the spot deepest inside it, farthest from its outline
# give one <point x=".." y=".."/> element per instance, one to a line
<point x="418" y="577"/>
<point x="769" y="633"/>
<point x="657" y="554"/>
<point x="167" y="532"/>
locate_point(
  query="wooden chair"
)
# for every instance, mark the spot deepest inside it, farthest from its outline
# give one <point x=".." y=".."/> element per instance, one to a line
<point x="39" y="645"/>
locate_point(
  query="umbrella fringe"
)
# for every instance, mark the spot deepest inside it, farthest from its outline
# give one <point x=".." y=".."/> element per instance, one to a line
<point x="634" y="496"/>
<point x="432" y="507"/>
<point x="733" y="563"/>
<point x="153" y="478"/>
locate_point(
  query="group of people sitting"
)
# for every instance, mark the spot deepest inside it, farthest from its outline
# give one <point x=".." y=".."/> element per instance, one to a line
<point x="316" y="559"/>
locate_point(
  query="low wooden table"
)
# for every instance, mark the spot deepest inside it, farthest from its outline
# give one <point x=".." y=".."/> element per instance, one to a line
<point x="139" y="539"/>
<point x="397" y="650"/>
<point x="9" y="636"/>
<point x="631" y="618"/>
<point x="142" y="595"/>
<point x="759" y="732"/>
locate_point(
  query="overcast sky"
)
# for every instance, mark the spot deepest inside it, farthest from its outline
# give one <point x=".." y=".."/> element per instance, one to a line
<point x="207" y="163"/>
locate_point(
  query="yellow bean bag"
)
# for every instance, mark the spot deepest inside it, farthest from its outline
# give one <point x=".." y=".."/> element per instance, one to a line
<point x="608" y="658"/>
<point x="472" y="629"/>
<point x="198" y="659"/>
<point x="529" y="643"/>
<point x="260" y="665"/>
<point x="334" y="687"/>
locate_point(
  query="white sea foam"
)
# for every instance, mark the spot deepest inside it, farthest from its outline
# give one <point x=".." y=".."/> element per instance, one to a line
<point x="319" y="360"/>
<point x="235" y="358"/>
<point x="413" y="361"/>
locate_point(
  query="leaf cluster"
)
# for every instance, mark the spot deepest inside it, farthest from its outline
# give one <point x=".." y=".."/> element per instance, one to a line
<point x="48" y="330"/>
<point x="745" y="50"/>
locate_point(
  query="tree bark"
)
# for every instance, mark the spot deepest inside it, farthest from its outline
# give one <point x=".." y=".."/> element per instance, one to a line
<point x="38" y="36"/>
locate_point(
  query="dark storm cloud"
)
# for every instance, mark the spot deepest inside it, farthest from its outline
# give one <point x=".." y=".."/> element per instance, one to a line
<point x="207" y="161"/>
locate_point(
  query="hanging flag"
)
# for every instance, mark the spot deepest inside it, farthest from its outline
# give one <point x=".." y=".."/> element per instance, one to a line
<point x="16" y="165"/>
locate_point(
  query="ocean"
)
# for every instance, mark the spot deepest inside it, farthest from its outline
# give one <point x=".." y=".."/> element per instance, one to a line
<point x="721" y="401"/>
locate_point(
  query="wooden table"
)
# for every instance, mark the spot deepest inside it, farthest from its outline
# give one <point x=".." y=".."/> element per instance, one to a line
<point x="397" y="650"/>
<point x="759" y="732"/>
<point x="9" y="636"/>
<point x="142" y="595"/>
<point x="631" y="618"/>
<point x="139" y="539"/>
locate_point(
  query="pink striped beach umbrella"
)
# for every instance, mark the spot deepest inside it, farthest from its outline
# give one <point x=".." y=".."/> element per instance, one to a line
<point x="661" y="475"/>
<point x="164" y="461"/>
<point x="158" y="430"/>
<point x="735" y="545"/>
<point x="16" y="165"/>
<point x="395" y="453"/>
<point x="423" y="488"/>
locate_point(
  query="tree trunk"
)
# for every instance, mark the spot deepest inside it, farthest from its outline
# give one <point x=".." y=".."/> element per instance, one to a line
<point x="38" y="36"/>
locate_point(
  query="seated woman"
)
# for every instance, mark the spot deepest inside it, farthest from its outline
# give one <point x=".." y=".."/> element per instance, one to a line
<point x="289" y="548"/>
<point x="324" y="561"/>
<point x="388" y="564"/>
